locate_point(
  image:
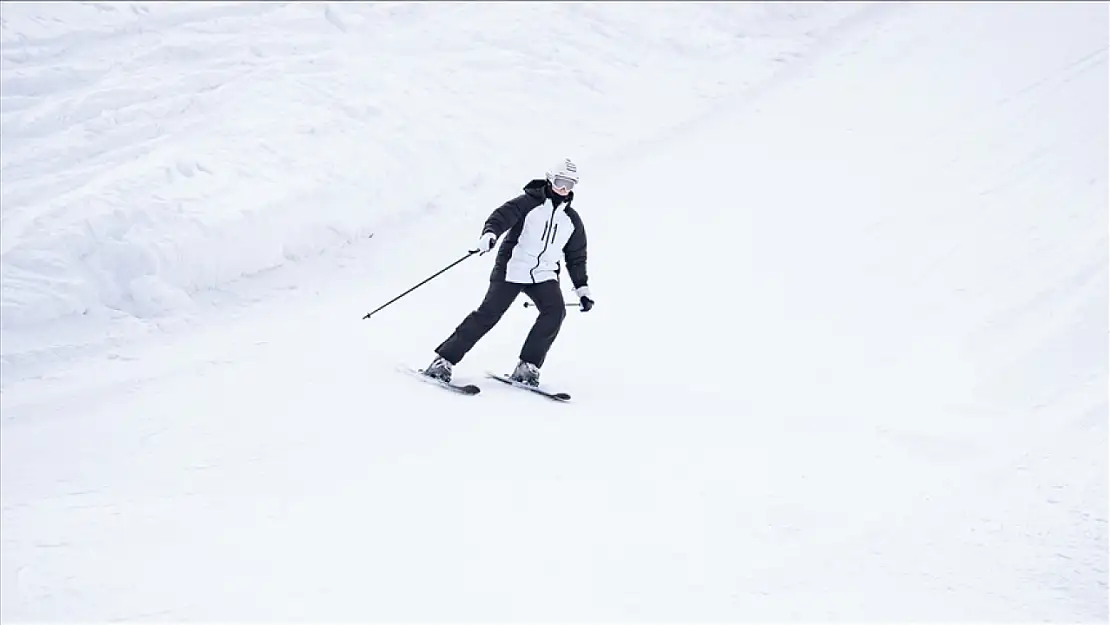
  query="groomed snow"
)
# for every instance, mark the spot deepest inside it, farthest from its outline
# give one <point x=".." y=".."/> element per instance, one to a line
<point x="849" y="358"/>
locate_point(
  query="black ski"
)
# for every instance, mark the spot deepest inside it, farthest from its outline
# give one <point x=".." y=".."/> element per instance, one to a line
<point x="539" y="390"/>
<point x="465" y="389"/>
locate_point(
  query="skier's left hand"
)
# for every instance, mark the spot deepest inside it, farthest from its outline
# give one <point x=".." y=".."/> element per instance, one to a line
<point x="584" y="301"/>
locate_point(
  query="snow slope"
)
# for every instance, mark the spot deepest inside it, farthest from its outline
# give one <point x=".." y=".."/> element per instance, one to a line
<point x="156" y="152"/>
<point x="849" y="358"/>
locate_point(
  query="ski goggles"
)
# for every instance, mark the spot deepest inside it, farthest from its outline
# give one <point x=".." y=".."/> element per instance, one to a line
<point x="562" y="182"/>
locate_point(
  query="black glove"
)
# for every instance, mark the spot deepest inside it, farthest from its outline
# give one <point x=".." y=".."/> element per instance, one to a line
<point x="584" y="301"/>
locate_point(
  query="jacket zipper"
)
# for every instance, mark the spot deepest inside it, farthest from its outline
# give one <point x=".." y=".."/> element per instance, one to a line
<point x="546" y="242"/>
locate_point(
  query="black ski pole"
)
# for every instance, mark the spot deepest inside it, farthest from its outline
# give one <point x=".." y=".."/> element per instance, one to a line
<point x="568" y="305"/>
<point x="426" y="280"/>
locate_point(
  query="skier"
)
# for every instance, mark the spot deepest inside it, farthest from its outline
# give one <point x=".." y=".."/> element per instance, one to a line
<point x="541" y="226"/>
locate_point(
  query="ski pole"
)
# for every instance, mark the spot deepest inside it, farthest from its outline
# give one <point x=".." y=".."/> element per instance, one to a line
<point x="426" y="280"/>
<point x="568" y="305"/>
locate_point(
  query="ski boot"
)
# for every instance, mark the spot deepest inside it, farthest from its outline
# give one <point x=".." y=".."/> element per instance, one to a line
<point x="526" y="373"/>
<point x="440" y="369"/>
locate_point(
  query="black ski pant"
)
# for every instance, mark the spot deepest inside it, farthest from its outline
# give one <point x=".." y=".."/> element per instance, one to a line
<point x="548" y="298"/>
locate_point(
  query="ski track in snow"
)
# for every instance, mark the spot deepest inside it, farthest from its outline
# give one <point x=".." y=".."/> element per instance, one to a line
<point x="848" y="361"/>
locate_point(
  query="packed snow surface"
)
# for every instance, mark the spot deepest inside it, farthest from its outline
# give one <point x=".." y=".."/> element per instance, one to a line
<point x="849" y="357"/>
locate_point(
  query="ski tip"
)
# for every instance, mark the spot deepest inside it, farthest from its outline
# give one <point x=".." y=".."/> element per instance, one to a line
<point x="469" y="389"/>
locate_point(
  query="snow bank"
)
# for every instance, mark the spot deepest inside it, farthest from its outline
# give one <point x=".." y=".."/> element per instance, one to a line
<point x="152" y="150"/>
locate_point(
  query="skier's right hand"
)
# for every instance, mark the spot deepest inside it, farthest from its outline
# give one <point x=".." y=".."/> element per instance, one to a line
<point x="485" y="243"/>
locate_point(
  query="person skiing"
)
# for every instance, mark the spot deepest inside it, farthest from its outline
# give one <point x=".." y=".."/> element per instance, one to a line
<point x="540" y="226"/>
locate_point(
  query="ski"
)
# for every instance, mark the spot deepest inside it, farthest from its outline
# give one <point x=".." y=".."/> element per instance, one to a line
<point x="539" y="390"/>
<point x="464" y="389"/>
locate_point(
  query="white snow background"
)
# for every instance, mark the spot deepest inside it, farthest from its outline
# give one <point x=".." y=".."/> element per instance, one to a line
<point x="849" y="357"/>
